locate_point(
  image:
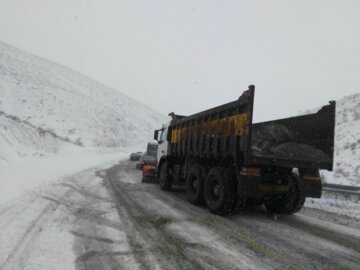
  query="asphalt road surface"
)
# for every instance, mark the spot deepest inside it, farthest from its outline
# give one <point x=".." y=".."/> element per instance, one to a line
<point x="166" y="231"/>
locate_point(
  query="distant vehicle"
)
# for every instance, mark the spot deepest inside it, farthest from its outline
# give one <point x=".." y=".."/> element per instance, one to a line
<point x="136" y="156"/>
<point x="146" y="160"/>
<point x="152" y="148"/>
<point x="139" y="163"/>
<point x="227" y="161"/>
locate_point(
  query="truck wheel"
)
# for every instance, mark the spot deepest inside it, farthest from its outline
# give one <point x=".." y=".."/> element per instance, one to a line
<point x="220" y="191"/>
<point x="195" y="185"/>
<point x="165" y="180"/>
<point x="282" y="204"/>
<point x="299" y="195"/>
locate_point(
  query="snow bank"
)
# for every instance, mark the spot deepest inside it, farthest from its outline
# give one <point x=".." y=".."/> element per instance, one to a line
<point x="347" y="142"/>
<point x="25" y="174"/>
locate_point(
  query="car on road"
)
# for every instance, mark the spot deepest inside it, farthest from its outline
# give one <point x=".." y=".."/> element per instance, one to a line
<point x="146" y="160"/>
<point x="136" y="156"/>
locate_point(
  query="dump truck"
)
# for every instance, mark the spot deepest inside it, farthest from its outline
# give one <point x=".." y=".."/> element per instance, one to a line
<point x="227" y="162"/>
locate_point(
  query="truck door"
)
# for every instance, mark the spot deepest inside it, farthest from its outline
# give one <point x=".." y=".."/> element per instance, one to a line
<point x="163" y="143"/>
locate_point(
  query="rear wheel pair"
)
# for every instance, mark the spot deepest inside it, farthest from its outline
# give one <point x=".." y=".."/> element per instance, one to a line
<point x="223" y="195"/>
<point x="217" y="189"/>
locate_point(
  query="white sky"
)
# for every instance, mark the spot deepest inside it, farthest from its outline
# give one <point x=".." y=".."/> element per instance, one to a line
<point x="186" y="56"/>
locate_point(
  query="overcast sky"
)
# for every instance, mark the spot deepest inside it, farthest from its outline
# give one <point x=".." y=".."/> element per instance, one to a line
<point x="186" y="56"/>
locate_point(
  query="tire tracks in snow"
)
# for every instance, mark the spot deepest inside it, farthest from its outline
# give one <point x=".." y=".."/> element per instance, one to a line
<point x="8" y="216"/>
<point x="151" y="249"/>
<point x="61" y="207"/>
<point x="21" y="252"/>
<point x="19" y="255"/>
<point x="93" y="247"/>
<point x="236" y="237"/>
<point x="269" y="240"/>
<point x="260" y="233"/>
<point x="274" y="243"/>
<point x="182" y="254"/>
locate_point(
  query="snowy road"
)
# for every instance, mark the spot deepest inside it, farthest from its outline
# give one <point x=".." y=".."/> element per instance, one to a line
<point x="108" y="219"/>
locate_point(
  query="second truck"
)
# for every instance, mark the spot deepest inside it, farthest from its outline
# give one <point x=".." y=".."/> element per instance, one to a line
<point x="227" y="162"/>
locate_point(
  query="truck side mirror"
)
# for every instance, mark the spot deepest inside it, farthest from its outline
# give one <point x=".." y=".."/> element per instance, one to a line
<point x="156" y="135"/>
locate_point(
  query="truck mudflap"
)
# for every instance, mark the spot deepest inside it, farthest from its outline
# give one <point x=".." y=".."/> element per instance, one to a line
<point x="312" y="189"/>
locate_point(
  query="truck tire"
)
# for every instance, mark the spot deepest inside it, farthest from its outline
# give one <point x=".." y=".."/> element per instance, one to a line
<point x="299" y="199"/>
<point x="282" y="204"/>
<point x="195" y="184"/>
<point x="165" y="181"/>
<point x="220" y="191"/>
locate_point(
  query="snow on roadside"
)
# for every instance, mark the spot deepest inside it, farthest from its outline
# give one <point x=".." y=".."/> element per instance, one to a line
<point x="335" y="205"/>
<point x="346" y="169"/>
<point x="25" y="174"/>
<point x="64" y="224"/>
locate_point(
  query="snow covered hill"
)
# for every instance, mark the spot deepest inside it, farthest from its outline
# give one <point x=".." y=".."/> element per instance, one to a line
<point x="42" y="97"/>
<point x="347" y="142"/>
<point x="19" y="138"/>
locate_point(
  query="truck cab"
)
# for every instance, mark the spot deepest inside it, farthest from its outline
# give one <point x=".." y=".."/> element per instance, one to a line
<point x="161" y="135"/>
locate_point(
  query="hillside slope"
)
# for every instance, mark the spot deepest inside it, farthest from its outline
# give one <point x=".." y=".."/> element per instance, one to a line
<point x="70" y="105"/>
<point x="347" y="142"/>
<point x="21" y="139"/>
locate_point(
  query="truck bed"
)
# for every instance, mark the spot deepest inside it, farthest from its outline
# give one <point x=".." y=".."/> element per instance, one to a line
<point x="303" y="141"/>
<point x="227" y="132"/>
